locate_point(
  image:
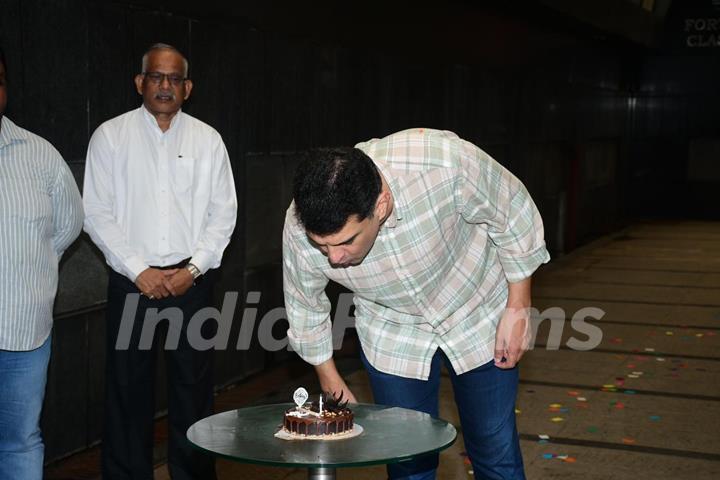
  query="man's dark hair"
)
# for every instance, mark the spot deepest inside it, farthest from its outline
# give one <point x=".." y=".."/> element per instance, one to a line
<point x="2" y="58"/>
<point x="331" y="185"/>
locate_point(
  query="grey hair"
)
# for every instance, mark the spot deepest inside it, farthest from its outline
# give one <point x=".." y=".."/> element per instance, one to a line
<point x="164" y="46"/>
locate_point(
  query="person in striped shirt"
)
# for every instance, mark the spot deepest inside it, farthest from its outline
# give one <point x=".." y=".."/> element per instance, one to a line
<point x="438" y="243"/>
<point x="40" y="216"/>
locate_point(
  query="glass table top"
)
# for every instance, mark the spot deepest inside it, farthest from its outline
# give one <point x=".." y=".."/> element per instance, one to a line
<point x="390" y="435"/>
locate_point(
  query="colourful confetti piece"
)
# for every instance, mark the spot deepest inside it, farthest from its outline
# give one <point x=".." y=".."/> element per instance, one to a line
<point x="655" y="418"/>
<point x="543" y="436"/>
<point x="628" y="441"/>
<point x="570" y="460"/>
<point x="581" y="399"/>
<point x="557" y="419"/>
<point x="629" y="392"/>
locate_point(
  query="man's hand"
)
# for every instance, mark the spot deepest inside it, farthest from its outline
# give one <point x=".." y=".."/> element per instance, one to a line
<point x="331" y="381"/>
<point x="512" y="338"/>
<point x="151" y="283"/>
<point x="178" y="282"/>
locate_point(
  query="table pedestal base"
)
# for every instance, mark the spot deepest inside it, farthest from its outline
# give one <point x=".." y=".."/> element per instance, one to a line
<point x="321" y="473"/>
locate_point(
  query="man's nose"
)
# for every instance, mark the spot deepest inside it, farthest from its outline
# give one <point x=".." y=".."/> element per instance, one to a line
<point x="335" y="254"/>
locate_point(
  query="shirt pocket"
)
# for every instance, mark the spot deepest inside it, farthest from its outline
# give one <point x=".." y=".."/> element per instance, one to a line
<point x="184" y="174"/>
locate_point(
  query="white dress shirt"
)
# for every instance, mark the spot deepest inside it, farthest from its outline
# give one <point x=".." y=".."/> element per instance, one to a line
<point x="156" y="198"/>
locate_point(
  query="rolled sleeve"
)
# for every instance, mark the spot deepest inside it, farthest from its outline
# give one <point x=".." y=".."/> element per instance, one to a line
<point x="490" y="195"/>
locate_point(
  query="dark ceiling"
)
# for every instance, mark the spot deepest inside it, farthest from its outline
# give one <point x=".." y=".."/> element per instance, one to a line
<point x="474" y="32"/>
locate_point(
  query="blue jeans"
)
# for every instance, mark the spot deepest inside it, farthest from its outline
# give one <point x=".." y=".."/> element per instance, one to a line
<point x="22" y="380"/>
<point x="485" y="398"/>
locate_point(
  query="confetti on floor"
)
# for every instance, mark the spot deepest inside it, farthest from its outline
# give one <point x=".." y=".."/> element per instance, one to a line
<point x="557" y="419"/>
<point x="655" y="418"/>
<point x="628" y="441"/>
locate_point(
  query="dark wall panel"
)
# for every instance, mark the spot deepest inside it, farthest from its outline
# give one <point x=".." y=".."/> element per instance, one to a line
<point x="111" y="63"/>
<point x="55" y="74"/>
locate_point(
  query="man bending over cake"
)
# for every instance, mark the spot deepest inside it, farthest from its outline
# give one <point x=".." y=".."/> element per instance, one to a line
<point x="438" y="242"/>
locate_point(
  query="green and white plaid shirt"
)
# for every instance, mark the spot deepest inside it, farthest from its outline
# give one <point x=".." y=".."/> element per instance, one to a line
<point x="462" y="227"/>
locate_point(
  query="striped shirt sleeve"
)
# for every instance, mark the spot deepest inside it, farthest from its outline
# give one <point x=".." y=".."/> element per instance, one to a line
<point x="67" y="209"/>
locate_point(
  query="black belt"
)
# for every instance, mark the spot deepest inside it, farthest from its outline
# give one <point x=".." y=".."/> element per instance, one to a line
<point x="180" y="264"/>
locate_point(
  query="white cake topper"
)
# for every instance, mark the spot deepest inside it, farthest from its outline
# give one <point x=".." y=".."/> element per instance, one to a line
<point x="300" y="397"/>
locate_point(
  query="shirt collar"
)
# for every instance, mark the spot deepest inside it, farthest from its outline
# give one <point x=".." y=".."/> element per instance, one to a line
<point x="9" y="132"/>
<point x="394" y="186"/>
<point x="152" y="122"/>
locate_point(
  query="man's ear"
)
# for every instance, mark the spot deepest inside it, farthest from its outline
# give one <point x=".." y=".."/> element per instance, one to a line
<point x="382" y="204"/>
<point x="138" y="83"/>
<point x="188" y="88"/>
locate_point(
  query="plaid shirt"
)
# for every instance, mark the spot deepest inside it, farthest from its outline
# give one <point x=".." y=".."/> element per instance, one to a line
<point x="462" y="227"/>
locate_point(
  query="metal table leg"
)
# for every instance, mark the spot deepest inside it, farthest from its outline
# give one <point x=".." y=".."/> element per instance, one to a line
<point x="321" y="473"/>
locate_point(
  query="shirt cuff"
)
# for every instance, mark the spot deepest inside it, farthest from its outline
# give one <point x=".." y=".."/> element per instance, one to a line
<point x="135" y="266"/>
<point x="202" y="259"/>
<point x="518" y="267"/>
<point x="313" y="346"/>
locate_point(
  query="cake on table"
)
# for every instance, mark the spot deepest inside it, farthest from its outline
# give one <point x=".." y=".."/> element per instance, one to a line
<point x="328" y="416"/>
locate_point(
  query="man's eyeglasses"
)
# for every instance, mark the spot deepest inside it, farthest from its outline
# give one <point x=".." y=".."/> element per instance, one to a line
<point x="157" y="78"/>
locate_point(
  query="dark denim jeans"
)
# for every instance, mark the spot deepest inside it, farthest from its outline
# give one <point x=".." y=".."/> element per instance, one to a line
<point x="22" y="388"/>
<point x="485" y="399"/>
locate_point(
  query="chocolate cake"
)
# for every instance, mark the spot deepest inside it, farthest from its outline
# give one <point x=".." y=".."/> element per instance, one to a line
<point x="333" y="418"/>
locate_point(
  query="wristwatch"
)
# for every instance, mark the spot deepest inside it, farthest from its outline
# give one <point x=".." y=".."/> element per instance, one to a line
<point x="194" y="271"/>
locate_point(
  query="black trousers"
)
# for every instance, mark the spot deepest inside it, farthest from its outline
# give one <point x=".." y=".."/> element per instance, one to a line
<point x="127" y="451"/>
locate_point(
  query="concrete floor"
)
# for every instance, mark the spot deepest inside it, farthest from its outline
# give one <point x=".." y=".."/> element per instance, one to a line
<point x="644" y="403"/>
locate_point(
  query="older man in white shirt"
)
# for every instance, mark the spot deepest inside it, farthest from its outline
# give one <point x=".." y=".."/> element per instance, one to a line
<point x="161" y="206"/>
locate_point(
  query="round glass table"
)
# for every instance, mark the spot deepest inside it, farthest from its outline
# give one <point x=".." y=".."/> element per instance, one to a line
<point x="390" y="435"/>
